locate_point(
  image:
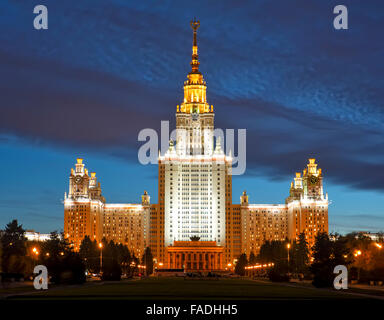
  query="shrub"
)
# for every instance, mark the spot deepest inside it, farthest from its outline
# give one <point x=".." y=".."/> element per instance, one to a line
<point x="111" y="270"/>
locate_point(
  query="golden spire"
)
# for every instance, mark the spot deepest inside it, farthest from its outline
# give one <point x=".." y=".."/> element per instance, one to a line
<point x="195" y="94"/>
<point x="195" y="57"/>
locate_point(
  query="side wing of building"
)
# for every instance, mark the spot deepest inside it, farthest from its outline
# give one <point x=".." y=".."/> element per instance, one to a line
<point x="86" y="213"/>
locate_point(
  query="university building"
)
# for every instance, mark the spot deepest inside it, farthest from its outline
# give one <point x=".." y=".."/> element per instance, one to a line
<point x="194" y="225"/>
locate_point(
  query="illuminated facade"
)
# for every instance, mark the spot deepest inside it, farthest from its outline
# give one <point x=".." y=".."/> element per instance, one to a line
<point x="87" y="213"/>
<point x="194" y="199"/>
<point x="305" y="210"/>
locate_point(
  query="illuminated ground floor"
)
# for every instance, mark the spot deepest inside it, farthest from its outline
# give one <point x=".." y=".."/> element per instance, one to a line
<point x="195" y="256"/>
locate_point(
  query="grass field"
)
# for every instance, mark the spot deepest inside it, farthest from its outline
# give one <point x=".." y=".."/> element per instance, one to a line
<point x="178" y="288"/>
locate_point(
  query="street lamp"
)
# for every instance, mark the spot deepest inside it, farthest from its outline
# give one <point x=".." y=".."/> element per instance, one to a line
<point x="36" y="253"/>
<point x="356" y="254"/>
<point x="288" y="247"/>
<point x="101" y="256"/>
<point x="378" y="245"/>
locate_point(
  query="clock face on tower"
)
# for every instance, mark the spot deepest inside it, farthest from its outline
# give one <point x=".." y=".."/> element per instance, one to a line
<point x="313" y="179"/>
<point x="78" y="180"/>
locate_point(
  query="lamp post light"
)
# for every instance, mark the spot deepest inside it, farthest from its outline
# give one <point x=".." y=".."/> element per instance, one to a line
<point x="356" y="254"/>
<point x="36" y="253"/>
<point x="288" y="247"/>
<point x="101" y="256"/>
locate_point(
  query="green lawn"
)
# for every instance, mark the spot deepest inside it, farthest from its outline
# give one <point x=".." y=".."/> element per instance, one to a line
<point x="178" y="288"/>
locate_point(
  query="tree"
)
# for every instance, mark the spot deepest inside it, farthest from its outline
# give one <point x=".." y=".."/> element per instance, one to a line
<point x="327" y="254"/>
<point x="64" y="265"/>
<point x="13" y="248"/>
<point x="124" y="258"/>
<point x="273" y="251"/>
<point x="147" y="261"/>
<point x="241" y="264"/>
<point x="301" y="254"/>
<point x="111" y="270"/>
<point x="90" y="253"/>
<point x="252" y="259"/>
<point x="279" y="272"/>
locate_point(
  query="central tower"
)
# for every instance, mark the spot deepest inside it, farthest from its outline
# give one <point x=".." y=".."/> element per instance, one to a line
<point x="194" y="117"/>
<point x="193" y="175"/>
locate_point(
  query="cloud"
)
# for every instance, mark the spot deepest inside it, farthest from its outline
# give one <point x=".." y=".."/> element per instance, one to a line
<point x="101" y="74"/>
<point x="348" y="223"/>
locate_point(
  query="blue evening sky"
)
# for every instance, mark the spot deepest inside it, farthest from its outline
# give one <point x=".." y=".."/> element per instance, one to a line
<point x="104" y="70"/>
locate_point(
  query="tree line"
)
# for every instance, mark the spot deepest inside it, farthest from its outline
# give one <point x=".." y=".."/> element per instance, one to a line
<point x="363" y="257"/>
<point x="18" y="256"/>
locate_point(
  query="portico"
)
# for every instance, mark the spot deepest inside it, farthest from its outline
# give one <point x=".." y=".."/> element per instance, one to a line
<point x="195" y="256"/>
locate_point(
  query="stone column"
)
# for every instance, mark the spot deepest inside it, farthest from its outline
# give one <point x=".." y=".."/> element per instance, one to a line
<point x="216" y="256"/>
<point x="197" y="260"/>
<point x="169" y="259"/>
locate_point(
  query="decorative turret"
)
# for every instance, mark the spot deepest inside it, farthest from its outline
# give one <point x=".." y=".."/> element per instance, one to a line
<point x="244" y="199"/>
<point x="145" y="199"/>
<point x="79" y="167"/>
<point x="309" y="185"/>
<point x="83" y="186"/>
<point x="313" y="181"/>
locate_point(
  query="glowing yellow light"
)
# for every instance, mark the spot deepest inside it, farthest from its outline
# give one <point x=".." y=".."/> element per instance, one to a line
<point x="357" y="253"/>
<point x="378" y="245"/>
<point x="288" y="245"/>
<point x="100" y="245"/>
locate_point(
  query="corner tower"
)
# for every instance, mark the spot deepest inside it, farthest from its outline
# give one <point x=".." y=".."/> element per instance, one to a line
<point x="83" y="206"/>
<point x="307" y="204"/>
